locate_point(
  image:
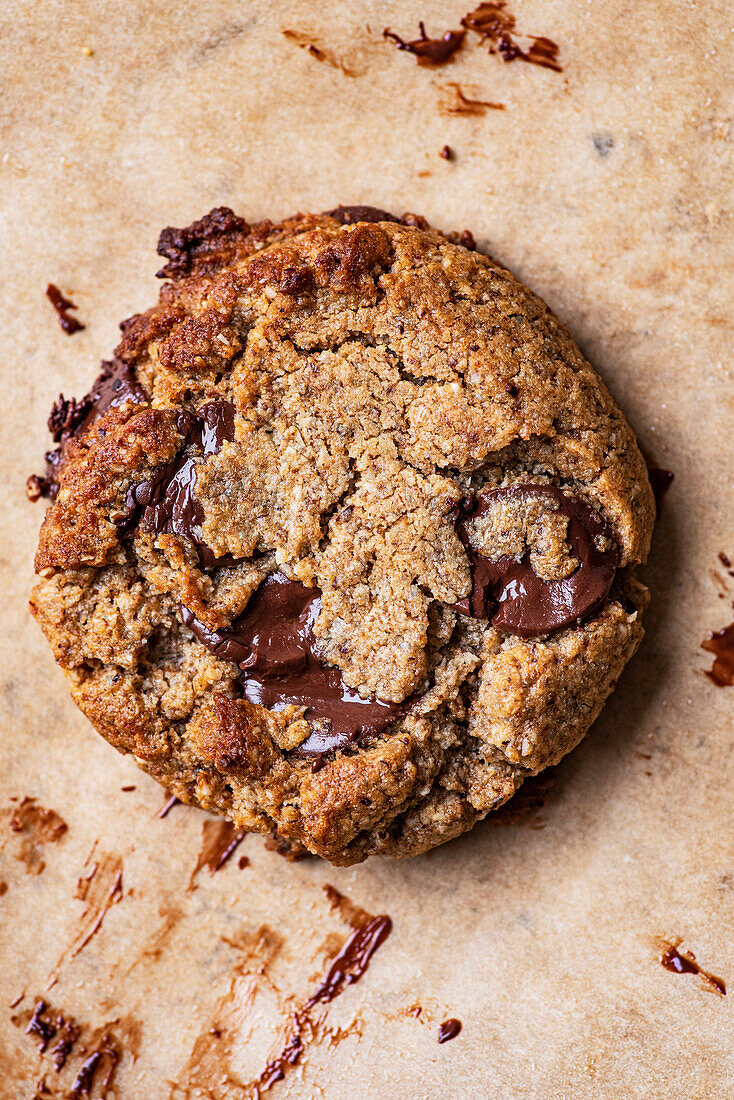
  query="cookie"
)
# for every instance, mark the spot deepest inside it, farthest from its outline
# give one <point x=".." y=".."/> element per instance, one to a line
<point x="342" y="539"/>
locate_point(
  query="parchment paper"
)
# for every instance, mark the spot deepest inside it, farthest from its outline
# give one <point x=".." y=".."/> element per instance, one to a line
<point x="607" y="188"/>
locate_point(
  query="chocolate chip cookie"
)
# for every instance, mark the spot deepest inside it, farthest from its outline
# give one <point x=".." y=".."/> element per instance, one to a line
<point x="342" y="539"/>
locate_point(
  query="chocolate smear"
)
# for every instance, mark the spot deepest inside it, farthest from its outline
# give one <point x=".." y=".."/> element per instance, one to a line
<point x="347" y="968"/>
<point x="721" y="644"/>
<point x="457" y="102"/>
<point x="449" y="1029"/>
<point x="220" y="840"/>
<point x="514" y="597"/>
<point x="428" y="51"/>
<point x="272" y="644"/>
<point x="62" y="306"/>
<point x="685" y="963"/>
<point x="494" y="24"/>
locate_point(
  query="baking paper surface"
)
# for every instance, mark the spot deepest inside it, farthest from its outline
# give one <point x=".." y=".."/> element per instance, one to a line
<point x="607" y="188"/>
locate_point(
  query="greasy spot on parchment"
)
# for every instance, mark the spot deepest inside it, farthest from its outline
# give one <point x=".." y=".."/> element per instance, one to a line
<point x="76" y="1059"/>
<point x="34" y="826"/>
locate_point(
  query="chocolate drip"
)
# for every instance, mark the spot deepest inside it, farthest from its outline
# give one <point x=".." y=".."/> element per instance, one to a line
<point x="428" y="51"/>
<point x="514" y="597"/>
<point x="70" y="418"/>
<point x="272" y="644"/>
<point x="166" y="501"/>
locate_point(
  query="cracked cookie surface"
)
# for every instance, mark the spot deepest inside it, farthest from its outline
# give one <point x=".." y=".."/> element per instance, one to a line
<point x="342" y="540"/>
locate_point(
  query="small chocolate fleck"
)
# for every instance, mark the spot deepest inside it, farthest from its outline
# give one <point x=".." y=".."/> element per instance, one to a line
<point x="459" y="103"/>
<point x="446" y="153"/>
<point x="449" y="1029"/>
<point x="62" y="306"/>
<point x="166" y="809"/>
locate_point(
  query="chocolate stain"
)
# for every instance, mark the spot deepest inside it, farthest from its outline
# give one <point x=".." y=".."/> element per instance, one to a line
<point x="721" y="644"/>
<point x="493" y="23"/>
<point x="62" y="306"/>
<point x="317" y="50"/>
<point x="171" y="916"/>
<point x="456" y="102"/>
<point x="685" y="963"/>
<point x="449" y="1029"/>
<point x="35" y="826"/>
<point x="220" y="839"/>
<point x="428" y="51"/>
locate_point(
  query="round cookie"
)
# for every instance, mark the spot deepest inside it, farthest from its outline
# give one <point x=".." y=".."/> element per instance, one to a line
<point x="342" y="539"/>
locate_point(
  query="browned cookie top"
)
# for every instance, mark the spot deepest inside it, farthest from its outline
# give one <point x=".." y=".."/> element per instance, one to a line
<point x="342" y="537"/>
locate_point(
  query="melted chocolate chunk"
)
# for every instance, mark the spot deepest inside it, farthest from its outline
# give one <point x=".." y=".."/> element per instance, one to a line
<point x="165" y="501"/>
<point x="272" y="644"/>
<point x="70" y="418"/>
<point x="428" y="51"/>
<point x="350" y="215"/>
<point x="62" y="306"/>
<point x="525" y="604"/>
<point x="449" y="1029"/>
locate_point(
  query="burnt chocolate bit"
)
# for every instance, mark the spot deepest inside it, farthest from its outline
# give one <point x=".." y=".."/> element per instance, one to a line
<point x="350" y="215"/>
<point x="429" y="51"/>
<point x="204" y="239"/>
<point x="685" y="963"/>
<point x="115" y="385"/>
<point x="62" y="306"/>
<point x="721" y="644"/>
<point x="525" y="604"/>
<point x="449" y="1029"/>
<point x="272" y="643"/>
